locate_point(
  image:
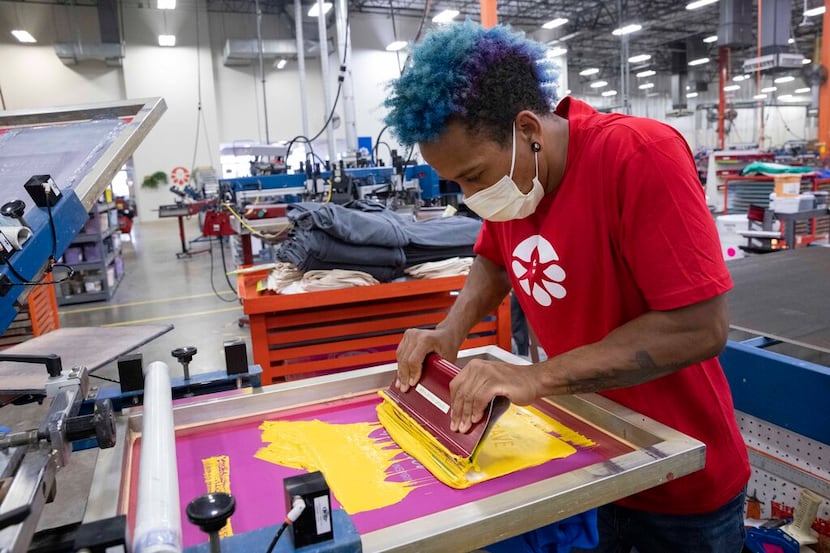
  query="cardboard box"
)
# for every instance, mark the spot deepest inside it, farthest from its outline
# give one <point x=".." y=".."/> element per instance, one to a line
<point x="787" y="186"/>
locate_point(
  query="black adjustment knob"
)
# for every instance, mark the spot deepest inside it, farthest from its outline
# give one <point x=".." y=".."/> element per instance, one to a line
<point x="13" y="209"/>
<point x="211" y="512"/>
<point x="185" y="354"/>
<point x="101" y="424"/>
<point x="104" y="421"/>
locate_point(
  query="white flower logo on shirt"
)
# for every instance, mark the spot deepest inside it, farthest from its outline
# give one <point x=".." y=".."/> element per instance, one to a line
<point x="538" y="275"/>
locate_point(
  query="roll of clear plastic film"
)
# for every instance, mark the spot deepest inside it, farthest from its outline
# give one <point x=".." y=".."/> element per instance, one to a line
<point x="158" y="522"/>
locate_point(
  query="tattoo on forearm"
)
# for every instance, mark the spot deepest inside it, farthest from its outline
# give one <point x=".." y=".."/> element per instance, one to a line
<point x="646" y="363"/>
<point x="646" y="369"/>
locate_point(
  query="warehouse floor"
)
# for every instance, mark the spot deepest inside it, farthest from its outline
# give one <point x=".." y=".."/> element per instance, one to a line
<point x="157" y="289"/>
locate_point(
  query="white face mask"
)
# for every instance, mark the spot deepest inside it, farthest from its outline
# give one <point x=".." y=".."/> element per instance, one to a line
<point x="504" y="201"/>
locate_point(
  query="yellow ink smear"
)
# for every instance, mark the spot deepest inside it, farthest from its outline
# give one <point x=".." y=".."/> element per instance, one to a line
<point x="521" y="438"/>
<point x="217" y="471"/>
<point x="356" y="465"/>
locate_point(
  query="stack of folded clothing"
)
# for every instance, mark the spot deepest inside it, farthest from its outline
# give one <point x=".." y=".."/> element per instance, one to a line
<point x="454" y="266"/>
<point x="365" y="236"/>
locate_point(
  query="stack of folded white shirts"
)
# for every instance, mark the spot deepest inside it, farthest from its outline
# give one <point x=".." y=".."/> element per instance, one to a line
<point x="332" y="279"/>
<point x="453" y="266"/>
<point x="281" y="276"/>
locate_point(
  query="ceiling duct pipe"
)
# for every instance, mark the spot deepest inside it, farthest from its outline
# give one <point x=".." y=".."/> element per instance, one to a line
<point x="109" y="50"/>
<point x="736" y="25"/>
<point x="679" y="77"/>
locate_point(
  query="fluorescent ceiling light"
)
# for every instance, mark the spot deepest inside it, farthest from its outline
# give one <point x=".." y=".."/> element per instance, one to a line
<point x="167" y="40"/>
<point x="646" y="86"/>
<point x="567" y="92"/>
<point x="699" y="61"/>
<point x="646" y="73"/>
<point x="786" y="97"/>
<point x="760" y="97"/>
<point x="314" y="10"/>
<point x="691" y="95"/>
<point x="731" y="87"/>
<point x="588" y="72"/>
<point x="806" y="61"/>
<point x="790" y="41"/>
<point x="804" y="90"/>
<point x="598" y="84"/>
<point x="785" y="79"/>
<point x="609" y="93"/>
<point x="632" y="28"/>
<point x="554" y="23"/>
<point x="24" y="36"/>
<point x="445" y="16"/>
<point x="699" y="4"/>
<point x="814" y="11"/>
<point x="556" y="52"/>
<point x="710" y="39"/>
<point x="395" y="46"/>
<point x="739" y="78"/>
<point x="640" y="58"/>
<point x="166" y="4"/>
<point x="769" y="89"/>
<point x="281" y="63"/>
<point x="791" y="98"/>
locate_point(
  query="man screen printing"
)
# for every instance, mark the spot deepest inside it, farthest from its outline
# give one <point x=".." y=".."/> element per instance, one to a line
<point x="599" y="224"/>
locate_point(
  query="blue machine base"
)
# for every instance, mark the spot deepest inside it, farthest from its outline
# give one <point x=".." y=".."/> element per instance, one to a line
<point x="778" y="388"/>
<point x="346" y="540"/>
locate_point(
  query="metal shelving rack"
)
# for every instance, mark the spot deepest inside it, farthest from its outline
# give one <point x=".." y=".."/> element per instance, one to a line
<point x="107" y="242"/>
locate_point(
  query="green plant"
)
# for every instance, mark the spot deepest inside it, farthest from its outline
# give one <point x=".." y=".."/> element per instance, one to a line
<point x="153" y="181"/>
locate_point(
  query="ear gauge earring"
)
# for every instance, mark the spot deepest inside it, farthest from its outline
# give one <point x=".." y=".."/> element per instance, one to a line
<point x="536" y="147"/>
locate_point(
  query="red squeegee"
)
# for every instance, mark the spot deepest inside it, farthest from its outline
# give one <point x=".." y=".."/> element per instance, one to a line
<point x="428" y="403"/>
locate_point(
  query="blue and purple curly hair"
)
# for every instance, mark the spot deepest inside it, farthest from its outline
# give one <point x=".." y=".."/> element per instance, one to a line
<point x="480" y="77"/>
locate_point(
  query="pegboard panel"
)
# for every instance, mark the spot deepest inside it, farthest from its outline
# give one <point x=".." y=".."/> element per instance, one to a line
<point x="776" y="493"/>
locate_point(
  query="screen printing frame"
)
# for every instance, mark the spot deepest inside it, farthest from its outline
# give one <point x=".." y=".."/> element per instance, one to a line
<point x="143" y="114"/>
<point x="660" y="454"/>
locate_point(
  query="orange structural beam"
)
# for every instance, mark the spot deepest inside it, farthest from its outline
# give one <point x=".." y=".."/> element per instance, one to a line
<point x="489" y="15"/>
<point x="824" y="90"/>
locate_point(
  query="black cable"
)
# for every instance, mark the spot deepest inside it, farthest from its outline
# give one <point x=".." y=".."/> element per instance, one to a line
<point x="25" y="282"/>
<point x="104" y="378"/>
<point x="388" y="147"/>
<point x="277" y="537"/>
<point x="377" y="145"/>
<point x="54" y="232"/>
<point x="212" y="285"/>
<point x="225" y="268"/>
<point x="51" y="262"/>
<point x="427" y="8"/>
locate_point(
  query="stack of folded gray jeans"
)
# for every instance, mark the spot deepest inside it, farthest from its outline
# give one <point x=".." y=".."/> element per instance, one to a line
<point x="365" y="236"/>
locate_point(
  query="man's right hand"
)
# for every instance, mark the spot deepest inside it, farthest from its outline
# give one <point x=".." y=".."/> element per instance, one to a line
<point x="416" y="345"/>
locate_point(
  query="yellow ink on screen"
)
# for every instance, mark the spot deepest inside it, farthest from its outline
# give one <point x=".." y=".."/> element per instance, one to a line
<point x="523" y="437"/>
<point x="363" y="466"/>
<point x="356" y="459"/>
<point x="217" y="472"/>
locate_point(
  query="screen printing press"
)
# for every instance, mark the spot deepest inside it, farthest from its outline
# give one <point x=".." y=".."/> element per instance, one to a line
<point x="215" y="440"/>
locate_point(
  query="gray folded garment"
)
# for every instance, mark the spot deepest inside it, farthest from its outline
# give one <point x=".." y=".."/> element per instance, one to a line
<point x="362" y="222"/>
<point x="318" y="244"/>
<point x="446" y="232"/>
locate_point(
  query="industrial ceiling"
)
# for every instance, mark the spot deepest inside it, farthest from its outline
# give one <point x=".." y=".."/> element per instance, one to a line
<point x="666" y="26"/>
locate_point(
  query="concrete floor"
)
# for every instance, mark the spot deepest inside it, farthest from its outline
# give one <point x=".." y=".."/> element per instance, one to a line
<point x="157" y="289"/>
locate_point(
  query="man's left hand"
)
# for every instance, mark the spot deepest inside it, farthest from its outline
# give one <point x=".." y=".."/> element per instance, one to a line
<point x="480" y="381"/>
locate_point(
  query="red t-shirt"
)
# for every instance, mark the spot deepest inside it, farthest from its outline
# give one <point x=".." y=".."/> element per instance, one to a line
<point x="628" y="231"/>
